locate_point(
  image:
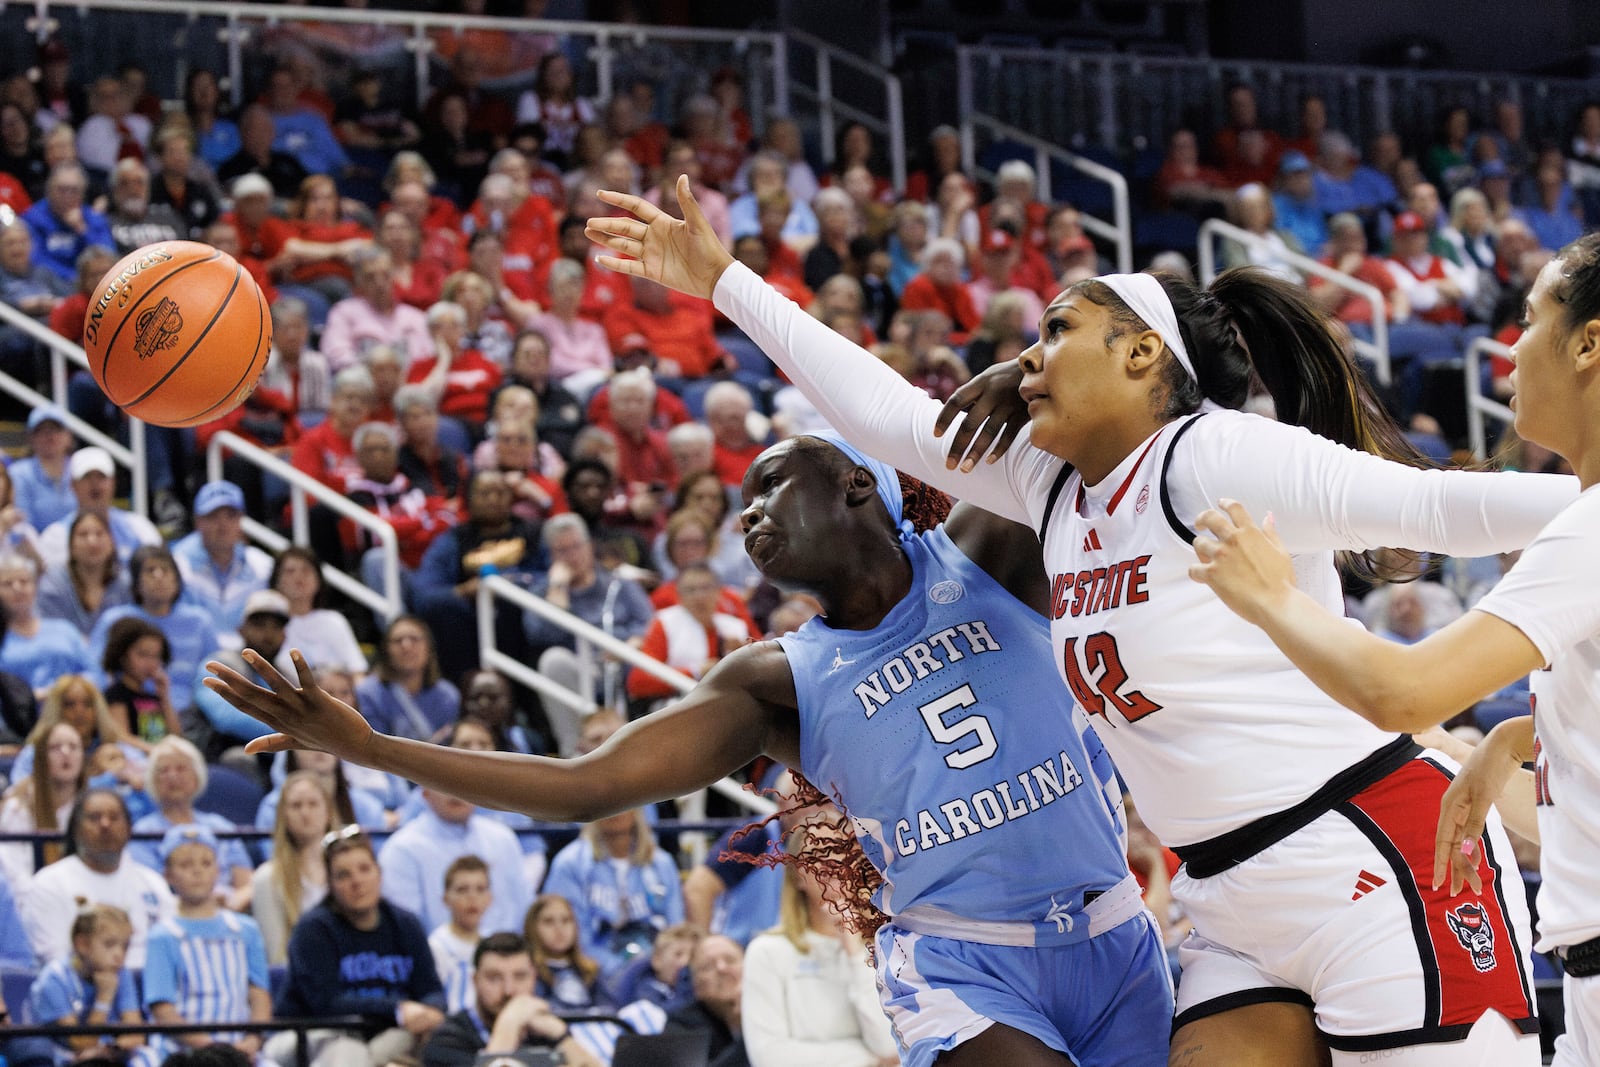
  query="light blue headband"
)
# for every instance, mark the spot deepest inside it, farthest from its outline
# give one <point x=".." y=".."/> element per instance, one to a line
<point x="888" y="480"/>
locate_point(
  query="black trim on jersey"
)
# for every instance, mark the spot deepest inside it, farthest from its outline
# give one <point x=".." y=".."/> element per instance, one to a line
<point x="1225" y="851"/>
<point x="1050" y="501"/>
<point x="1241" y="998"/>
<point x="1427" y="1035"/>
<point x="1178" y="526"/>
<point x="1406" y="883"/>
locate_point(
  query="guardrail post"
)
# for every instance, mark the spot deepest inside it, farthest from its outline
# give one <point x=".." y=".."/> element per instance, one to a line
<point x="825" y="105"/>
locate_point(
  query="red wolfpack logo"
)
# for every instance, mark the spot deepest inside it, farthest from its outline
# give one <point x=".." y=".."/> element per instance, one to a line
<point x="1470" y="924"/>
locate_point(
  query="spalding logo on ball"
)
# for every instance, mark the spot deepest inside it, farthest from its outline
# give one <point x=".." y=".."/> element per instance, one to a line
<point x="177" y="333"/>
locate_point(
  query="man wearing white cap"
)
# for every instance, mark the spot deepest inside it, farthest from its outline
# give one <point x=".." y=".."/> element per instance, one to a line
<point x="93" y="476"/>
<point x="220" y="571"/>
<point x="266" y="616"/>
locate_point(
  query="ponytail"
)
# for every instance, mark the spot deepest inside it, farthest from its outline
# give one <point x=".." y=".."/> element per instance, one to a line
<point x="1305" y="367"/>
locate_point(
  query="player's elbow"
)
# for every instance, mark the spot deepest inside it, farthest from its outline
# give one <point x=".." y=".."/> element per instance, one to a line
<point x="1394" y="701"/>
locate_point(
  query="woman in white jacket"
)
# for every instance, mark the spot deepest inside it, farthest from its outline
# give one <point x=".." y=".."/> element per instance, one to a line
<point x="809" y="993"/>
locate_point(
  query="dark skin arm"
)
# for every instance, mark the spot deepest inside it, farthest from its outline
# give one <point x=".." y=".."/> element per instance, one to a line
<point x="1008" y="552"/>
<point x="744" y="707"/>
<point x="995" y="414"/>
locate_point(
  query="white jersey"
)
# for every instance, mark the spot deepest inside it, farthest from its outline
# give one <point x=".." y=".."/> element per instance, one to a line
<point x="1209" y="723"/>
<point x="1552" y="595"/>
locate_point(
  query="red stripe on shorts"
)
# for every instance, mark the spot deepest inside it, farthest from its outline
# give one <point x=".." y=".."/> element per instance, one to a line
<point x="1479" y="958"/>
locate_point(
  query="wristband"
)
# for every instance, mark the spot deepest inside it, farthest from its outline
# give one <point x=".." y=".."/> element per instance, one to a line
<point x="101" y="1007"/>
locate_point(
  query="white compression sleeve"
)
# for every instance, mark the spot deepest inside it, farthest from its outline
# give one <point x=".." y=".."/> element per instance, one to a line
<point x="873" y="407"/>
<point x="1325" y="496"/>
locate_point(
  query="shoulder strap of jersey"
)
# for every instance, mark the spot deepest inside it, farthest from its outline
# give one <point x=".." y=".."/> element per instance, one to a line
<point x="1178" y="526"/>
<point x="1050" y="502"/>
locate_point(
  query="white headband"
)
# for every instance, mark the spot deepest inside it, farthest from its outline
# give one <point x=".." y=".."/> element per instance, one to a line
<point x="1145" y="297"/>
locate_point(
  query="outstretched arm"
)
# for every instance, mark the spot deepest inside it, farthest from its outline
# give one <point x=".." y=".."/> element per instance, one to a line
<point x="735" y="714"/>
<point x="879" y="411"/>
<point x="1405" y="688"/>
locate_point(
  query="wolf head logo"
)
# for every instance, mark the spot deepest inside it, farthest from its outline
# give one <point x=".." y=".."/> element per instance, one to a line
<point x="1470" y="924"/>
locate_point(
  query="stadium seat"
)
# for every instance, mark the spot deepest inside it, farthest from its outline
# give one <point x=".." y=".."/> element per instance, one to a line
<point x="230" y="794"/>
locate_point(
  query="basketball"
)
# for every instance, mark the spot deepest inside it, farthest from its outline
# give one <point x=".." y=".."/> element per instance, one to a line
<point x="177" y="333"/>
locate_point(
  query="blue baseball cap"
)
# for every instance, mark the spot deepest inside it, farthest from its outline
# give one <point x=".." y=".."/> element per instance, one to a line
<point x="214" y="495"/>
<point x="1293" y="163"/>
<point x="187" y="834"/>
<point x="49" y="413"/>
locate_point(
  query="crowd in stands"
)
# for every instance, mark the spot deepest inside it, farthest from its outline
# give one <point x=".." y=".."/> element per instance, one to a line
<point x="449" y="356"/>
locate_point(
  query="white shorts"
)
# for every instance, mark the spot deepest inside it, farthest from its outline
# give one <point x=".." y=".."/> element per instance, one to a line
<point x="1580" y="1045"/>
<point x="1340" y="916"/>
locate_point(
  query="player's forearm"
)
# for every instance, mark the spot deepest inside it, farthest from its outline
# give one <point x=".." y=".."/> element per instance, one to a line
<point x="1512" y="742"/>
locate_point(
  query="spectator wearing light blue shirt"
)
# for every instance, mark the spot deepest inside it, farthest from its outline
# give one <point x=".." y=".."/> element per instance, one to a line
<point x="41" y="487"/>
<point x="93" y="475"/>
<point x="415" y="857"/>
<point x="220" y="572"/>
<point x="301" y="131"/>
<point x="157" y="587"/>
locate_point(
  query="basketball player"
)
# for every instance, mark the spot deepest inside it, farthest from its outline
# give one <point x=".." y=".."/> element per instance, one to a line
<point x="1542" y="618"/>
<point x="1300" y="825"/>
<point x="1016" y="933"/>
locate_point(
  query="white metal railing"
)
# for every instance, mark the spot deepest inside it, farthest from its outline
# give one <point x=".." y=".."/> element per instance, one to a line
<point x="241" y="22"/>
<point x="386" y="603"/>
<point x="1480" y="407"/>
<point x="1376" y="350"/>
<point x="1119" y="231"/>
<point x="492" y="586"/>
<point x="132" y="455"/>
<point x="890" y="126"/>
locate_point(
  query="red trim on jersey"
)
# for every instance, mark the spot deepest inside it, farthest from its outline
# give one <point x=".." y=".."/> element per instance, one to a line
<point x="1116" y="498"/>
<point x="1398" y="807"/>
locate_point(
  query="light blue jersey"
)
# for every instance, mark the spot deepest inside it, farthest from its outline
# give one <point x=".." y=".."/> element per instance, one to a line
<point x="956" y="753"/>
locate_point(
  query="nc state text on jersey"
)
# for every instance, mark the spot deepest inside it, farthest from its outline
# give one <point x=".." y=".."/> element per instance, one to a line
<point x="1100" y="589"/>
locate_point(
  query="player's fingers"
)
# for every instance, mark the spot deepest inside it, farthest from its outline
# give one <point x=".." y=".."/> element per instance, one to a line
<point x="644" y="209"/>
<point x="1447" y="839"/>
<point x="1206" y="549"/>
<point x="1003" y="444"/>
<point x="1237" y="513"/>
<point x="981" y="442"/>
<point x="616" y="226"/>
<point x="961" y="400"/>
<point x="621" y="266"/>
<point x="1200" y="572"/>
<point x="270" y="743"/>
<point x="1214" y="522"/>
<point x="269" y="673"/>
<point x="691" y="207"/>
<point x="302" y="669"/>
<point x="955" y="450"/>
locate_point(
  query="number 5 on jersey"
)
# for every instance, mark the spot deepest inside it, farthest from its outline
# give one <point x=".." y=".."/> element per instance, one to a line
<point x="1103" y="662"/>
<point x="968" y="726"/>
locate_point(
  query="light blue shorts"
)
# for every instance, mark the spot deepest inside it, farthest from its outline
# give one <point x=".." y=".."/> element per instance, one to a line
<point x="1104" y="1002"/>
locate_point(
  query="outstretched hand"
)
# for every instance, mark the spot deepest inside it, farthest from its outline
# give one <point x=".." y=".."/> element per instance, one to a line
<point x="1245" y="564"/>
<point x="305" y="717"/>
<point x="683" y="254"/>
<point x="995" y="414"/>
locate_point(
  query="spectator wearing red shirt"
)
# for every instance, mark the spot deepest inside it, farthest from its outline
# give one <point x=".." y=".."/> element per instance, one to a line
<point x="687" y="541"/>
<point x="318" y="254"/>
<point x="751" y="250"/>
<point x="603" y="289"/>
<point x="690" y="636"/>
<point x="460" y="377"/>
<point x="635" y="354"/>
<point x="326" y="452"/>
<point x="998" y="260"/>
<point x="532" y="216"/>
<point x="678" y="328"/>
<point x="513" y="287"/>
<point x="1347" y="253"/>
<point x="513" y="450"/>
<point x="1184" y="183"/>
<point x="262" y="236"/>
<point x="944" y="157"/>
<point x="66" y="318"/>
<point x="381" y="488"/>
<point x="1243" y="149"/>
<point x="939" y="288"/>
<point x="728" y="406"/>
<point x="435" y="217"/>
<point x="645" y="142"/>
<point x="417" y="280"/>
<point x="643" y="458"/>
<point x="223" y="235"/>
<point x="1018" y="183"/>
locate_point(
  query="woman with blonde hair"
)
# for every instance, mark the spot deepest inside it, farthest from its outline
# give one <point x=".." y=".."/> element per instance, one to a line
<point x="78" y="702"/>
<point x="624" y="890"/>
<point x="176" y="775"/>
<point x="564" y="975"/>
<point x="42" y="801"/>
<point x="1002" y="335"/>
<point x="295" y="879"/>
<point x="809" y="993"/>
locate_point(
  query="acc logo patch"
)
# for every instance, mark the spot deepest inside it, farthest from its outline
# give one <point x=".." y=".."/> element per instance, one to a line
<point x="946" y="592"/>
<point x="157" y="328"/>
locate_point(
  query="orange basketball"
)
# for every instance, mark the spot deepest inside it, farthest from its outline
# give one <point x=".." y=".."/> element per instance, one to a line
<point x="177" y="333"/>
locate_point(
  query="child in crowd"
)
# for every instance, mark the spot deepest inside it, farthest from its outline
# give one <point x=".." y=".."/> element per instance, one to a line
<point x="206" y="964"/>
<point x="666" y="983"/>
<point x="90" y="987"/>
<point x="138" y="692"/>
<point x="467" y="895"/>
<point x="109" y="769"/>
<point x="566" y="977"/>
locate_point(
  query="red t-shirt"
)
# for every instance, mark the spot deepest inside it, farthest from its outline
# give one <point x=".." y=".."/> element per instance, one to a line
<point x="326" y="456"/>
<point x="921" y="294"/>
<point x="326" y="233"/>
<point x="467" y="385"/>
<point x="682" y="334"/>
